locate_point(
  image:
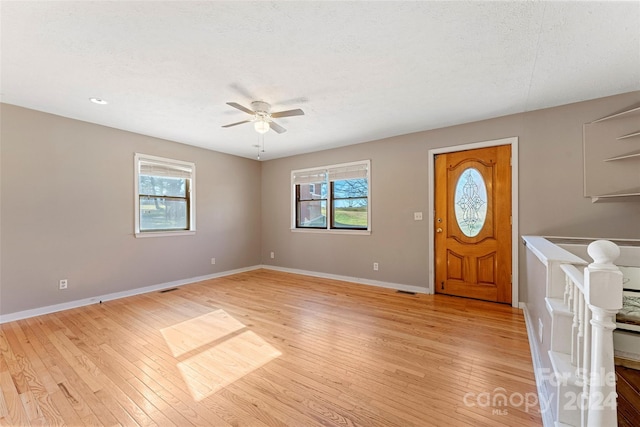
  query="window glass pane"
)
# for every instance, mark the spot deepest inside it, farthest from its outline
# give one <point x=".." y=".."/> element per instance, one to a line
<point x="162" y="186"/>
<point x="332" y="197"/>
<point x="470" y="202"/>
<point x="158" y="213"/>
<point x="350" y="213"/>
<point x="313" y="191"/>
<point x="350" y="188"/>
<point x="312" y="214"/>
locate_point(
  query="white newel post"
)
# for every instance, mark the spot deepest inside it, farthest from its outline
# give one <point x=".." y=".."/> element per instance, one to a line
<point x="603" y="288"/>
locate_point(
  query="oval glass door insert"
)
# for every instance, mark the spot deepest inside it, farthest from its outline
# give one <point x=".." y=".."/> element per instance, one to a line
<point x="470" y="202"/>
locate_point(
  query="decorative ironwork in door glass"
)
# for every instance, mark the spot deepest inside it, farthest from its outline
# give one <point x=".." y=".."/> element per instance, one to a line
<point x="470" y="202"/>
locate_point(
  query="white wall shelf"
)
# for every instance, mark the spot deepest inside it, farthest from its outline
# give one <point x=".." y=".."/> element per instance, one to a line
<point x="617" y="115"/>
<point x="623" y="156"/>
<point x="630" y="195"/>
<point x="631" y="135"/>
<point x="611" y="170"/>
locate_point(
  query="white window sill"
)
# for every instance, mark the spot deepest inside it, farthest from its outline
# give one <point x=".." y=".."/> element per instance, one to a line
<point x="331" y="231"/>
<point x="164" y="233"/>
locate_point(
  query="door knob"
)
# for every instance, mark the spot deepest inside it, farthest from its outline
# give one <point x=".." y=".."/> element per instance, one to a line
<point x="439" y="230"/>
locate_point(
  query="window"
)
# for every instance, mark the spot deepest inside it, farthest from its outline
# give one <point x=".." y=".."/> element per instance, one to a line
<point x="165" y="196"/>
<point x="332" y="198"/>
<point x="470" y="202"/>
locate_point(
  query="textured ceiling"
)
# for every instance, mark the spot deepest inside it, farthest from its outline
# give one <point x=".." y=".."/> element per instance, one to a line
<point x="360" y="70"/>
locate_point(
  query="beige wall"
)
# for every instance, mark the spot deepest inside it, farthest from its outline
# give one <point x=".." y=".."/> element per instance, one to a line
<point x="67" y="212"/>
<point x="550" y="193"/>
<point x="66" y="206"/>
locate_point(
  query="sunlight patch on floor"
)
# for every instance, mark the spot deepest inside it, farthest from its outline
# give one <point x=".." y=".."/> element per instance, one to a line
<point x="197" y="332"/>
<point x="228" y="351"/>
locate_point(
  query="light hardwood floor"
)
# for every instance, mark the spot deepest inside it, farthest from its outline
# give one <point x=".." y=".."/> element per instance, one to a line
<point x="266" y="348"/>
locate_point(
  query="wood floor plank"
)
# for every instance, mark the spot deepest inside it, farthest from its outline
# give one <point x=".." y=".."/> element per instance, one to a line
<point x="267" y="348"/>
<point x="52" y="415"/>
<point x="78" y="396"/>
<point x="38" y="377"/>
<point x="99" y="381"/>
<point x="4" y="410"/>
<point x="15" y="411"/>
<point x="628" y="389"/>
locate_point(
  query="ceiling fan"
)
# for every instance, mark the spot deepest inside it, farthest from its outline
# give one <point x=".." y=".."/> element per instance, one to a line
<point x="263" y="117"/>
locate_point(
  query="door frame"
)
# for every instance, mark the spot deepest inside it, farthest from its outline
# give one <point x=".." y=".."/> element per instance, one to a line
<point x="513" y="141"/>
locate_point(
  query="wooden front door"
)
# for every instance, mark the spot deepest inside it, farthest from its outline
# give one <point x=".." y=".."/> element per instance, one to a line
<point x="473" y="223"/>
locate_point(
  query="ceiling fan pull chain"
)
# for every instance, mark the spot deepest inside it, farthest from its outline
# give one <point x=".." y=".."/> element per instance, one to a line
<point x="258" y="145"/>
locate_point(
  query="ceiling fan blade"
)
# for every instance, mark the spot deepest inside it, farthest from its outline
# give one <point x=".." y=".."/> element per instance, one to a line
<point x="240" y="107"/>
<point x="288" y="113"/>
<point x="276" y="127"/>
<point x="242" y="90"/>
<point x="235" y="124"/>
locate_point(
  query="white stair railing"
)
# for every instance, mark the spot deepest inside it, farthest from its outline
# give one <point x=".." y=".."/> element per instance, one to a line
<point x="603" y="283"/>
<point x="591" y="299"/>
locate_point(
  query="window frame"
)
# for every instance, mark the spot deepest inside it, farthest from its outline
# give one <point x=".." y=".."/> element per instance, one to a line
<point x="190" y="194"/>
<point x="330" y="228"/>
<point x="311" y="199"/>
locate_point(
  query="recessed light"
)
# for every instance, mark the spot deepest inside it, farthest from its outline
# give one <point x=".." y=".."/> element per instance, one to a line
<point x="98" y="101"/>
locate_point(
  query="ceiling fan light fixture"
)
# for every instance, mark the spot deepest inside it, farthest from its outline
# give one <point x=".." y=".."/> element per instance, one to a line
<point x="262" y="116"/>
<point x="261" y="126"/>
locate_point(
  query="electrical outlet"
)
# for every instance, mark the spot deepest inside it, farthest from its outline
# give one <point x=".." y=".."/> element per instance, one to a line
<point x="417" y="216"/>
<point x="62" y="284"/>
<point x="213" y="261"/>
<point x="273" y="255"/>
<point x="375" y="266"/>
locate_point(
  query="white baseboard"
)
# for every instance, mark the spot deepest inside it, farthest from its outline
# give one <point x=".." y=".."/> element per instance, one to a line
<point x="4" y="318"/>
<point x="389" y="285"/>
<point x="547" y="415"/>
<point x="634" y="357"/>
<point x="626" y="345"/>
